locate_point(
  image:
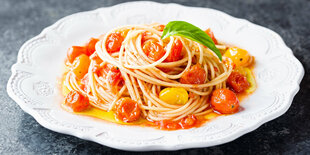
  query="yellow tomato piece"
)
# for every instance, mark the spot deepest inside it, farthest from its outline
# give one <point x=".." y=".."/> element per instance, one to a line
<point x="174" y="95"/>
<point x="80" y="66"/>
<point x="65" y="89"/>
<point x="239" y="56"/>
<point x="211" y="115"/>
<point x="250" y="78"/>
<point x="240" y="70"/>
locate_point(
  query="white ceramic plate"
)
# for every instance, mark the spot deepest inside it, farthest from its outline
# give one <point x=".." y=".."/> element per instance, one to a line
<point x="33" y="84"/>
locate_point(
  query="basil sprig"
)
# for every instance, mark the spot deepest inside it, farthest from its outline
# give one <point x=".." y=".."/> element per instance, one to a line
<point x="187" y="30"/>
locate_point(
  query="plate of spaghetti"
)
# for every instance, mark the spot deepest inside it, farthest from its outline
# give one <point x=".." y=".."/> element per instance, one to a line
<point x="148" y="76"/>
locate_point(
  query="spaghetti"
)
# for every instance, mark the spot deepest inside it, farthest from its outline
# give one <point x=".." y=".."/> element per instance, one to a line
<point x="132" y="71"/>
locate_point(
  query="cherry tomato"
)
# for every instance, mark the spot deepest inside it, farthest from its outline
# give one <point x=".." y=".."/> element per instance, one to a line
<point x="174" y="95"/>
<point x="176" y="51"/>
<point x="76" y="101"/>
<point x="91" y="45"/>
<point x="97" y="59"/>
<point x="114" y="42"/>
<point x="115" y="76"/>
<point x="80" y="66"/>
<point x="75" y="51"/>
<point x="104" y="70"/>
<point x="224" y="101"/>
<point x="84" y="82"/>
<point x="239" y="56"/>
<point x="188" y="122"/>
<point x="160" y="27"/>
<point x="127" y="110"/>
<point x="210" y="33"/>
<point x="195" y="75"/>
<point x="216" y="69"/>
<point x="168" y="125"/>
<point x="166" y="70"/>
<point x="185" y="123"/>
<point x="143" y="35"/>
<point x="108" y="67"/>
<point x="154" y="50"/>
<point x="238" y="82"/>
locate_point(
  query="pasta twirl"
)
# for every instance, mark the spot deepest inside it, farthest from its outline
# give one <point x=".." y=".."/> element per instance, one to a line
<point x="132" y="64"/>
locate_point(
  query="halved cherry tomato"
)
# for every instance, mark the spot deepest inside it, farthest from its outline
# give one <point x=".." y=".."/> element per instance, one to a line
<point x="168" y="125"/>
<point x="127" y="110"/>
<point x="224" y="101"/>
<point x="80" y="66"/>
<point x="153" y="50"/>
<point x="176" y="51"/>
<point x="188" y="122"/>
<point x="185" y="123"/>
<point x="114" y="42"/>
<point x="76" y="101"/>
<point x="238" y="82"/>
<point x="75" y="51"/>
<point x="195" y="75"/>
<point x="210" y="33"/>
<point x="91" y="45"/>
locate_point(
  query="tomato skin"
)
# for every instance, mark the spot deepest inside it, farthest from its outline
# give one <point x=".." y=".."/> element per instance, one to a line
<point x="210" y="33"/>
<point x="114" y="42"/>
<point x="195" y="75"/>
<point x="76" y="101"/>
<point x="238" y="82"/>
<point x="224" y="101"/>
<point x="127" y="110"/>
<point x="176" y="51"/>
<point x="75" y="51"/>
<point x="154" y="50"/>
<point x="91" y="46"/>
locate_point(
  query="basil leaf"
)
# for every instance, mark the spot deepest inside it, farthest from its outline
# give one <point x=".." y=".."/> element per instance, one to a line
<point x="187" y="30"/>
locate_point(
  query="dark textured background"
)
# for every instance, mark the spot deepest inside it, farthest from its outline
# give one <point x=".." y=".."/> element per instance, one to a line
<point x="22" y="20"/>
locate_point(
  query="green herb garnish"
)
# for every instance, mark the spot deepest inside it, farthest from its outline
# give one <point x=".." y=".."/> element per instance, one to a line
<point x="187" y="30"/>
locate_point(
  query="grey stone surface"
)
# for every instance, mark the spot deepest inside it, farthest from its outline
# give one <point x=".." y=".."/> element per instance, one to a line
<point x="21" y="20"/>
